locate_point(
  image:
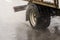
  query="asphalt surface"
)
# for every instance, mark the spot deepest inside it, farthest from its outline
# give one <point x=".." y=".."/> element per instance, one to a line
<point x="25" y="32"/>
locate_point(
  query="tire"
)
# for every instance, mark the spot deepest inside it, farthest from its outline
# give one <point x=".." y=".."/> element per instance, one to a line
<point x="35" y="19"/>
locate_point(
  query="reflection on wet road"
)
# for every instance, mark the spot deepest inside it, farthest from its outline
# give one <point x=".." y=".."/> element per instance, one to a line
<point x="25" y="32"/>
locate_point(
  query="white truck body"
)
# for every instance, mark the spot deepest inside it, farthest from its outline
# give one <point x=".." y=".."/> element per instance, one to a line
<point x="51" y="1"/>
<point x="59" y="4"/>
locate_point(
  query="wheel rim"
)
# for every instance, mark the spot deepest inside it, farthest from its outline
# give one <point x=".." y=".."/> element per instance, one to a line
<point x="33" y="18"/>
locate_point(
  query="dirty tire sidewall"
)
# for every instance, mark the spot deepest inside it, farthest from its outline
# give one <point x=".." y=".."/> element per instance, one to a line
<point x="40" y="23"/>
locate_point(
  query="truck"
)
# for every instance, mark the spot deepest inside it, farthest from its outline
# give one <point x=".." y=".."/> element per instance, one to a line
<point x="39" y="12"/>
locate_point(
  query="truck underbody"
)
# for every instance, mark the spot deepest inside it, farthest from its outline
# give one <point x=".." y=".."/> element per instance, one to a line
<point x="52" y="11"/>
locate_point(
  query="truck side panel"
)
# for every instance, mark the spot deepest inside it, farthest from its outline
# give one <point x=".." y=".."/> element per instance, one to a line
<point x="50" y="3"/>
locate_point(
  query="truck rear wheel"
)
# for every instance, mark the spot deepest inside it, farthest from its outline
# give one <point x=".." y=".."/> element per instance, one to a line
<point x="36" y="20"/>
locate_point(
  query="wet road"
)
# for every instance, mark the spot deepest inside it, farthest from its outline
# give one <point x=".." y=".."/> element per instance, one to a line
<point x="25" y="32"/>
<point x="13" y="25"/>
